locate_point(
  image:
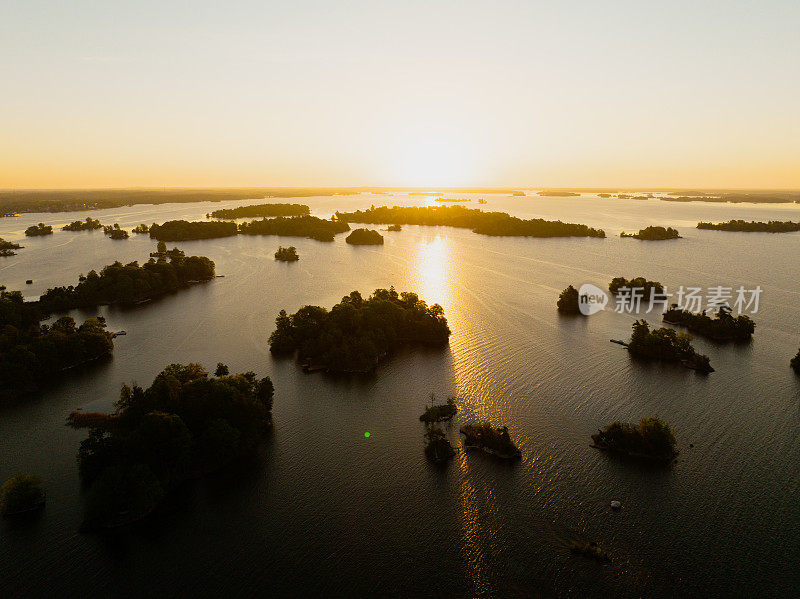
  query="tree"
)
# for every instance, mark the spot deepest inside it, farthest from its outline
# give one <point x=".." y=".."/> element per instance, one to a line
<point x="221" y="370"/>
<point x="161" y="247"/>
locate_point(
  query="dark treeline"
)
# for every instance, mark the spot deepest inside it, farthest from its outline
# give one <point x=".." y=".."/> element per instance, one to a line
<point x="90" y="224"/>
<point x="773" y="226"/>
<point x="31" y="353"/>
<point x="666" y="345"/>
<point x="39" y="230"/>
<point x="357" y="333"/>
<point x="724" y="327"/>
<point x="7" y="248"/>
<point x="184" y="230"/>
<point x="364" y="237"/>
<point x="262" y="210"/>
<point x="297" y="226"/>
<point x="642" y="283"/>
<point x="441" y="412"/>
<point x="184" y="425"/>
<point x="128" y="283"/>
<point x="653" y="233"/>
<point x="795" y="362"/>
<point x="651" y="438"/>
<point x="568" y="301"/>
<point x="754" y="197"/>
<point x="486" y="223"/>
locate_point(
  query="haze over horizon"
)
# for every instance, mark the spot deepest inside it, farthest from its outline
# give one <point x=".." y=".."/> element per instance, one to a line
<point x="418" y="94"/>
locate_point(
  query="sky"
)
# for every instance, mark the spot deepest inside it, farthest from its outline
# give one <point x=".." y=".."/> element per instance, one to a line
<point x="342" y="93"/>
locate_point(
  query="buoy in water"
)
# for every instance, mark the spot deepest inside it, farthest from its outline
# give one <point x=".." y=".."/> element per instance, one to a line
<point x="616" y="505"/>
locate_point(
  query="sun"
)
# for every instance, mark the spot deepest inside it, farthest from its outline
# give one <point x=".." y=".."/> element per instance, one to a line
<point x="434" y="163"/>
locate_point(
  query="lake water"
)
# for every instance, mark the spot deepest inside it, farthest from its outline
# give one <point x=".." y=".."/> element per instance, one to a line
<point x="326" y="511"/>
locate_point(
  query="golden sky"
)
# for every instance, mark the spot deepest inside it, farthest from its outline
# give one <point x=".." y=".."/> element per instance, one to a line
<point x="303" y="93"/>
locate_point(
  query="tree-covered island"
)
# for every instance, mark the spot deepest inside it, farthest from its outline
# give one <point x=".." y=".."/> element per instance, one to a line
<point x="439" y="413"/>
<point x="115" y="231"/>
<point x="184" y="425"/>
<point x="666" y="345"/>
<point x="364" y="237"/>
<point x="261" y="210"/>
<point x="296" y="226"/>
<point x="568" y="301"/>
<point x="394" y="228"/>
<point x="90" y="224"/>
<point x="489" y="439"/>
<point x="287" y="254"/>
<point x="724" y="327"/>
<point x="7" y="248"/>
<point x="638" y="283"/>
<point x="143" y="228"/>
<point x="357" y="333"/>
<point x="39" y="230"/>
<point x="437" y="445"/>
<point x="795" y="362"/>
<point x="485" y="223"/>
<point x="773" y="226"/>
<point x="652" y="438"/>
<point x="184" y="230"/>
<point x="653" y="233"/>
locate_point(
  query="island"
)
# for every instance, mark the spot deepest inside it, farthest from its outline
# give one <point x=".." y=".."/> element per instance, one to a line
<point x="21" y="494"/>
<point x="647" y="287"/>
<point x="287" y="254"/>
<point x="115" y="232"/>
<point x="39" y="230"/>
<point x="453" y="200"/>
<point x="437" y="446"/>
<point x="795" y="362"/>
<point x="555" y="193"/>
<point x="185" y="425"/>
<point x="439" y="413"/>
<point x="90" y="224"/>
<point x="394" y="228"/>
<point x="591" y="550"/>
<point x="653" y="233"/>
<point x="296" y="226"/>
<point x="143" y="228"/>
<point x="568" y="301"/>
<point x="364" y="237"/>
<point x="183" y="230"/>
<point x="261" y="210"/>
<point x="722" y="328"/>
<point x="773" y="226"/>
<point x="128" y="284"/>
<point x="666" y="345"/>
<point x="357" y="333"/>
<point x="32" y="353"/>
<point x="489" y="439"/>
<point x="484" y="223"/>
<point x="7" y="248"/>
<point x="754" y="197"/>
<point x="652" y="438"/>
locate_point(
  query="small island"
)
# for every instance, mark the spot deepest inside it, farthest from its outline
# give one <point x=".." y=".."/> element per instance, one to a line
<point x="495" y="441"/>
<point x="296" y="226"/>
<point x="90" y="224"/>
<point x="7" y="248"/>
<point x="440" y="413"/>
<point x="437" y="446"/>
<point x="261" y="210"/>
<point x="666" y="345"/>
<point x="357" y="333"/>
<point x="653" y="234"/>
<point x="453" y="200"/>
<point x="143" y="228"/>
<point x="287" y="254"/>
<point x="39" y="230"/>
<point x="795" y="362"/>
<point x="568" y="301"/>
<point x="183" y="230"/>
<point x="652" y="438"/>
<point x="722" y="328"/>
<point x="591" y="550"/>
<point x="364" y="237"/>
<point x="555" y="193"/>
<point x="21" y="494"/>
<point x="185" y="425"/>
<point x="638" y="283"/>
<point x="773" y="226"/>
<point x="394" y="228"/>
<point x="115" y="232"/>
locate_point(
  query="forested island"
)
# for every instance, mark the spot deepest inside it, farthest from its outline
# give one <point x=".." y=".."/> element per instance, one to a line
<point x="722" y="328"/>
<point x="568" y="301"/>
<point x="296" y="226"/>
<point x="357" y="333"/>
<point x="437" y="445"/>
<point x="652" y="438"/>
<point x="485" y="223"/>
<point x="666" y="345"/>
<point x="753" y="197"/>
<point x="287" y="254"/>
<point x="773" y="226"/>
<point x="653" y="233"/>
<point x="495" y="441"/>
<point x="7" y="248"/>
<point x="130" y="283"/>
<point x="394" y="228"/>
<point x="184" y="425"/>
<point x="115" y="231"/>
<point x="31" y="353"/>
<point x="646" y="286"/>
<point x="21" y="494"/>
<point x="439" y="413"/>
<point x="39" y="230"/>
<point x="453" y="200"/>
<point x="90" y="224"/>
<point x="555" y="193"/>
<point x="262" y="210"/>
<point x="143" y="228"/>
<point x="364" y="237"/>
<point x="184" y="230"/>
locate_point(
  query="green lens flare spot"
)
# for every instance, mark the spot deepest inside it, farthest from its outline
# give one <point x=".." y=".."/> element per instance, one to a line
<point x="366" y="434"/>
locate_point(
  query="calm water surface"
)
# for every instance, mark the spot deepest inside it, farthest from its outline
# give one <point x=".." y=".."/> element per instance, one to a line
<point x="325" y="511"/>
